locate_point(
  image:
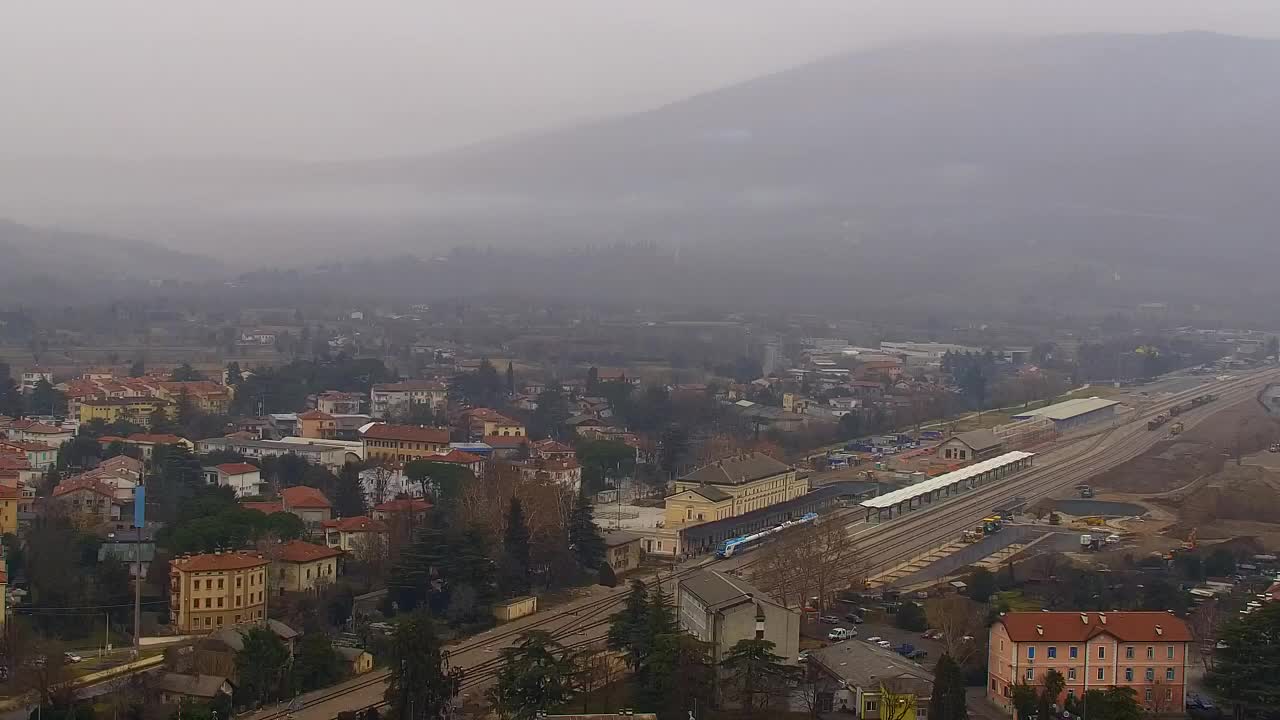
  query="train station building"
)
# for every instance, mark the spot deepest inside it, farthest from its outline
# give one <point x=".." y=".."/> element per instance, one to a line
<point x="922" y="494"/>
<point x="1073" y="413"/>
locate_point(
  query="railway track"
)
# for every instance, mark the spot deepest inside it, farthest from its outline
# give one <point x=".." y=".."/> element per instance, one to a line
<point x="892" y="542"/>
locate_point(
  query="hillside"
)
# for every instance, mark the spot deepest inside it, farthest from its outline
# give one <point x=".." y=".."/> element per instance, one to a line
<point x="39" y="265"/>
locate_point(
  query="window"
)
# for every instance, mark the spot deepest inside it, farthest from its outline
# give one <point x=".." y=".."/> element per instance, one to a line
<point x="1128" y="674"/>
<point x="993" y="684"/>
<point x="219" y="602"/>
<point x="208" y="622"/>
<point x="195" y="604"/>
<point x="1101" y="672"/>
<point x="1169" y="652"/>
<point x="239" y="581"/>
<point x="1031" y="674"/>
<point x="1031" y="652"/>
<point x="220" y="583"/>
<point x="1150" y="674"/>
<point x="1102" y="652"/>
<point x="1168" y="693"/>
<point x="237" y="619"/>
<point x="1128" y="653"/>
<point x="1071" y="693"/>
<point x="208" y="584"/>
<point x="238" y="601"/>
<point x="871" y="706"/>
<point x="219" y="621"/>
<point x="1053" y="653"/>
<point x="208" y="603"/>
<point x="1071" y="673"/>
<point x="1148" y="695"/>
<point x="922" y="712"/>
<point x="1168" y="674"/>
<point x="1074" y="652"/>
<point x="1151" y="653"/>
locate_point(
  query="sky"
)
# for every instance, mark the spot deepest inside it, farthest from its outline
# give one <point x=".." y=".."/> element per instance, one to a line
<point x="341" y="79"/>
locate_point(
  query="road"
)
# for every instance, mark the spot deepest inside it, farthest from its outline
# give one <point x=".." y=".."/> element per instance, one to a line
<point x="882" y="545"/>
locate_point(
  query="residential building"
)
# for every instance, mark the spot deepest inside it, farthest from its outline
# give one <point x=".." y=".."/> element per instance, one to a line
<point x="390" y="399"/>
<point x="402" y="511"/>
<point x="970" y="446"/>
<point x="622" y="551"/>
<point x="849" y="677"/>
<point x="137" y="410"/>
<point x="474" y="463"/>
<point x="178" y="688"/>
<point x="38" y="432"/>
<point x="216" y="589"/>
<point x="354" y="534"/>
<point x="398" y="444"/>
<point x="39" y="456"/>
<point x="721" y="609"/>
<point x="358" y="661"/>
<point x="730" y="487"/>
<point x="1150" y="652"/>
<point x="31" y="377"/>
<point x="566" y="472"/>
<point x="208" y="397"/>
<point x="130" y="550"/>
<point x="551" y="450"/>
<point x="244" y="478"/>
<point x="330" y="455"/>
<point x="146" y="443"/>
<point x="507" y="446"/>
<point x="339" y="403"/>
<point x="485" y="422"/>
<point x="318" y="425"/>
<point x="10" y="500"/>
<point x="308" y="503"/>
<point x="300" y="566"/>
<point x="88" y="501"/>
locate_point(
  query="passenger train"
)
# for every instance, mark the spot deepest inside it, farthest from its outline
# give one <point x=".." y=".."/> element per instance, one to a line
<point x="743" y="543"/>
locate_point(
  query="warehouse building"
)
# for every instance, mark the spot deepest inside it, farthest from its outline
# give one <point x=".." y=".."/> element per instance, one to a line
<point x="1074" y="413"/>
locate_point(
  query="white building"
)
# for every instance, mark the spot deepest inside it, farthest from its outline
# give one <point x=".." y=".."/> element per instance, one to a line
<point x="387" y="399"/>
<point x="245" y="479"/>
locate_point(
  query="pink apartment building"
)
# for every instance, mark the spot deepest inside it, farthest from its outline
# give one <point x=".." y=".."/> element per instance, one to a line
<point x="1147" y="651"/>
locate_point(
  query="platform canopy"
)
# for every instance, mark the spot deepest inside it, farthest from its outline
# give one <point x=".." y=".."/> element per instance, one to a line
<point x="891" y="499"/>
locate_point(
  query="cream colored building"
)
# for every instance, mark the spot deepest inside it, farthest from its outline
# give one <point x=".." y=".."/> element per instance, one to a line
<point x="731" y="487"/>
<point x="300" y="566"/>
<point x="209" y="591"/>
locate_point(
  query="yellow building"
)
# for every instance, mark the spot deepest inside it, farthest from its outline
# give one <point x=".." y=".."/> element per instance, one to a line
<point x="730" y="487"/>
<point x="209" y="591"/>
<point x="484" y="422"/>
<point x="397" y="444"/>
<point x="137" y="410"/>
<point x="317" y="425"/>
<point x="10" y="498"/>
<point x="300" y="566"/>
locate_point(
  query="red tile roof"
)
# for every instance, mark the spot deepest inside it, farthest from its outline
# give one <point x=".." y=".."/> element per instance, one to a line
<point x="28" y="446"/>
<point x="1080" y="626"/>
<point x="315" y="415"/>
<point x="304" y="498"/>
<point x="89" y="483"/>
<point x="160" y="439"/>
<point x="504" y="442"/>
<point x="552" y="447"/>
<point x="266" y="508"/>
<point x="299" y="551"/>
<point x="359" y="523"/>
<point x="237" y="468"/>
<point x="403" y="505"/>
<point x="9" y="493"/>
<point x="408" y="433"/>
<point x="42" y="429"/>
<point x="212" y="562"/>
<point x="457" y="457"/>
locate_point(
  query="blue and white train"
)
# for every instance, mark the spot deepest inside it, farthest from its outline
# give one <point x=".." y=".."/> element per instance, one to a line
<point x="732" y="546"/>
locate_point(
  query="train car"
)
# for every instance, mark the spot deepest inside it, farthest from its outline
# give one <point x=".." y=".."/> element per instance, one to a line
<point x="733" y="546"/>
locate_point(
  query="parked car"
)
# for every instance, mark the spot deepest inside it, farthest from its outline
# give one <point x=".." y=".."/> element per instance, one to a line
<point x="905" y="649"/>
<point x="885" y="644"/>
<point x="918" y="654"/>
<point x="803" y="656"/>
<point x="828" y="619"/>
<point x="840" y="634"/>
<point x="71" y="657"/>
<point x="874" y="639"/>
<point x="854" y="618"/>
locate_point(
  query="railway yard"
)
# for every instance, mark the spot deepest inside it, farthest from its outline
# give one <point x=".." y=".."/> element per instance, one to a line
<point x="914" y="546"/>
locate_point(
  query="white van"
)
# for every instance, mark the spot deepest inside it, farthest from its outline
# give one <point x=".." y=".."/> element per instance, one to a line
<point x="840" y="634"/>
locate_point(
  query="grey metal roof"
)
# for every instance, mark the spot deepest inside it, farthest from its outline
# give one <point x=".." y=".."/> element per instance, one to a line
<point x="737" y="470"/>
<point x="204" y="686"/>
<point x="718" y="590"/>
<point x="979" y="440"/>
<point x="619" y="537"/>
<point x="1069" y="409"/>
<point x="864" y="665"/>
<point x="710" y="492"/>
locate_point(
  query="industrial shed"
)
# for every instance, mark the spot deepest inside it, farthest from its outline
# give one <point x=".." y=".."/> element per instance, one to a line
<point x="1074" y="413"/>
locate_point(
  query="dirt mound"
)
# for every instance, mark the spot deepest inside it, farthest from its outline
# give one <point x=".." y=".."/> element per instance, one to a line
<point x="1236" y="493"/>
<point x="1204" y="450"/>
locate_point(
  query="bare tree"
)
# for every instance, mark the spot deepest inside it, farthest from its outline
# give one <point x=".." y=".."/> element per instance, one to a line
<point x="816" y="560"/>
<point x="1204" y="623"/>
<point x="1046" y="566"/>
<point x="816" y="690"/>
<point x="957" y="617"/>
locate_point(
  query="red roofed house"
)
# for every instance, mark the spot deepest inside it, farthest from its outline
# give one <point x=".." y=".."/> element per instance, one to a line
<point x="1147" y="651"/>
<point x="10" y="499"/>
<point x="39" y="456"/>
<point x="88" y="500"/>
<point x="147" y="442"/>
<point x="300" y="566"/>
<point x="402" y="508"/>
<point x="485" y="421"/>
<point x="506" y="446"/>
<point x="308" y="503"/>
<point x="566" y="472"/>
<point x="38" y="432"/>
<point x="474" y="463"/>
<point x="398" y="444"/>
<point x="318" y="425"/>
<point x="353" y="534"/>
<point x="216" y="589"/>
<point x="244" y="478"/>
<point x="552" y="450"/>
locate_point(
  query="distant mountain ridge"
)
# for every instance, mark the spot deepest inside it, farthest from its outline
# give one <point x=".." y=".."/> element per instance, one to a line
<point x="40" y="265"/>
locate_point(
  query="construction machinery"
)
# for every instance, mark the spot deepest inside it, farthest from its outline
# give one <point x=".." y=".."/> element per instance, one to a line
<point x="1090" y="543"/>
<point x="1094" y="521"/>
<point x="1085" y="491"/>
<point x="1176" y="428"/>
<point x="1192" y="542"/>
<point x="992" y="524"/>
<point x="1157" y="421"/>
<point x="972" y="536"/>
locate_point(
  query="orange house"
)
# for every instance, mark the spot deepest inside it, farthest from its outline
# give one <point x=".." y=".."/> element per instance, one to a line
<point x="1147" y="651"/>
<point x="318" y="425"/>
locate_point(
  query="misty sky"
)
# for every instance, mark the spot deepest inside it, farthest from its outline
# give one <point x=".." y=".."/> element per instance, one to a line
<point x="322" y="79"/>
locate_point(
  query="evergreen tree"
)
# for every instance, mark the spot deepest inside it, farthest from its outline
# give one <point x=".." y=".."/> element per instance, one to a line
<point x="628" y="628"/>
<point x="260" y="664"/>
<point x="420" y="685"/>
<point x="948" y="701"/>
<point x="593" y="379"/>
<point x="511" y="379"/>
<point x="515" y="552"/>
<point x="536" y="675"/>
<point x="584" y="537"/>
<point x="234" y="373"/>
<point x="469" y="571"/>
<point x="137" y="369"/>
<point x="188" y="413"/>
<point x="661" y="618"/>
<point x="756" y="677"/>
<point x="1245" y="671"/>
<point x="348" y="498"/>
<point x="46" y="400"/>
<point x="316" y="664"/>
<point x="10" y="398"/>
<point x="679" y="676"/>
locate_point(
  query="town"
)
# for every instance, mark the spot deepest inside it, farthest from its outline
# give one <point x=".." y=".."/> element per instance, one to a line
<point x="437" y="509"/>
